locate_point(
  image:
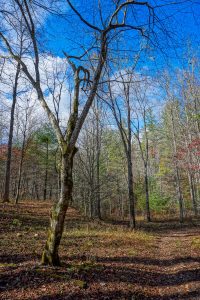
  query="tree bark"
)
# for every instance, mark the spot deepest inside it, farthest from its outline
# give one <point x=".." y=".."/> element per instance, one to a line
<point x="50" y="254"/>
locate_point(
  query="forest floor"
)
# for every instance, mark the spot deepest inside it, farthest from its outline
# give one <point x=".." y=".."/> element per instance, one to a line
<point x="100" y="260"/>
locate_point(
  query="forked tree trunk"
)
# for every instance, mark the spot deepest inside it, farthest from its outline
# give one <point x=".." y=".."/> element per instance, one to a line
<point x="50" y="254"/>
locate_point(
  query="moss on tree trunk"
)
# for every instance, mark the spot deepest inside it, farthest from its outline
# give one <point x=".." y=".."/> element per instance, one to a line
<point x="50" y="254"/>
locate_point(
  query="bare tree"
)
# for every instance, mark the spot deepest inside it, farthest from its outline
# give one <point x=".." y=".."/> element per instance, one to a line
<point x="173" y="108"/>
<point x="68" y="139"/>
<point x="125" y="131"/>
<point x="141" y="112"/>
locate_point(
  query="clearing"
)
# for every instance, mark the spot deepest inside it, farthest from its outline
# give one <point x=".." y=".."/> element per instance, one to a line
<point x="100" y="260"/>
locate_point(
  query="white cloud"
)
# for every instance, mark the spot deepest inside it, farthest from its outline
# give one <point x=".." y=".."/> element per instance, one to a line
<point x="54" y="83"/>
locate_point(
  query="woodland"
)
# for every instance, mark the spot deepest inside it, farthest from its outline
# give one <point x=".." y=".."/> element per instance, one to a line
<point x="99" y="149"/>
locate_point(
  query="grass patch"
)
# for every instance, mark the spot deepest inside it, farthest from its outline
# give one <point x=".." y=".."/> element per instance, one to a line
<point x="196" y="243"/>
<point x="7" y="265"/>
<point x="83" y="267"/>
<point x="110" y="234"/>
<point x="16" y="222"/>
<point x="178" y="244"/>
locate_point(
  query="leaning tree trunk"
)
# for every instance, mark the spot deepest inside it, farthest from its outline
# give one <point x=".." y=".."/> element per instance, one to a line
<point x="50" y="255"/>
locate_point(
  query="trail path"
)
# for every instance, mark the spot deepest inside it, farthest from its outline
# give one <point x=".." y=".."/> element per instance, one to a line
<point x="177" y="267"/>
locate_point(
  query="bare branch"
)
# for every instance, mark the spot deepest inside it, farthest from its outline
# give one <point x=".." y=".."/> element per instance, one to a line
<point x="70" y="62"/>
<point x="36" y="85"/>
<point x="81" y="18"/>
<point x="145" y="3"/>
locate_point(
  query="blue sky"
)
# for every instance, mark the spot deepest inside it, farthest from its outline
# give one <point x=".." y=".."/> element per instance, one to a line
<point x="176" y="29"/>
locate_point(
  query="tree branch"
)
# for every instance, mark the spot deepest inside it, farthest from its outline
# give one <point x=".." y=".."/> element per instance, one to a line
<point x="37" y="88"/>
<point x="81" y="18"/>
<point x="145" y="3"/>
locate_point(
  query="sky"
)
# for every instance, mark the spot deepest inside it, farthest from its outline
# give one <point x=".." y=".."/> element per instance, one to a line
<point x="174" y="35"/>
<point x="175" y="31"/>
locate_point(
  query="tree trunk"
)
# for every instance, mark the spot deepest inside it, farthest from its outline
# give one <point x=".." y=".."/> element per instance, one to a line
<point x="188" y="140"/>
<point x="36" y="192"/>
<point x="91" y="204"/>
<point x="46" y="170"/>
<point x="179" y="192"/>
<point x="146" y="160"/>
<point x="192" y="193"/>
<point x="19" y="178"/>
<point x="177" y="174"/>
<point x="98" y="195"/>
<point x="50" y="255"/>
<point x="130" y="167"/>
<point x="9" y="154"/>
<point x="148" y="215"/>
<point x="98" y="149"/>
<point x="21" y="164"/>
<point x="131" y="196"/>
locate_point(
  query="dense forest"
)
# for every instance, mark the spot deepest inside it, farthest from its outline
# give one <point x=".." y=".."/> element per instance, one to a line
<point x="99" y="117"/>
<point x="161" y="121"/>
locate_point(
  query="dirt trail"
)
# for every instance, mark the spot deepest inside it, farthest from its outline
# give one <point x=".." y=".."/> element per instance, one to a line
<point x="179" y="265"/>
